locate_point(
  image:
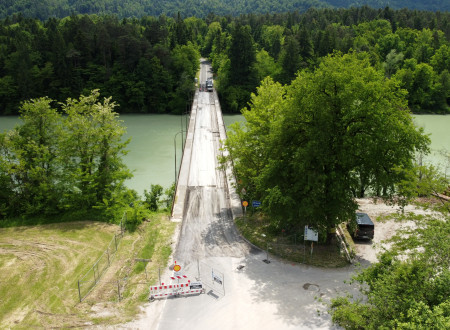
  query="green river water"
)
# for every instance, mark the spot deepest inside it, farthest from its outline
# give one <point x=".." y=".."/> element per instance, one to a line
<point x="151" y="154"/>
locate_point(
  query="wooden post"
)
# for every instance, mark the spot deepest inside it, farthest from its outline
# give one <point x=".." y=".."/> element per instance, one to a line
<point x="146" y="271"/>
<point x="79" y="290"/>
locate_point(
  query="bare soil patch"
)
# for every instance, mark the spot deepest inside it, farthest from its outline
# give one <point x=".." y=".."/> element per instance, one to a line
<point x="385" y="227"/>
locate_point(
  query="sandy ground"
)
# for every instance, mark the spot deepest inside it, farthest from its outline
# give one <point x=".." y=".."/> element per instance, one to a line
<point x="367" y="250"/>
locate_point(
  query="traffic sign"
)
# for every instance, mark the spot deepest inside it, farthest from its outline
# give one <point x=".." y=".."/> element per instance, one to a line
<point x="256" y="203"/>
<point x="245" y="203"/>
<point x="311" y="234"/>
<point x="176" y="268"/>
<point x="216" y="278"/>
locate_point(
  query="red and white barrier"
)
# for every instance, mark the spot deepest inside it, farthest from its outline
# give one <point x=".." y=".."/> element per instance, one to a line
<point x="159" y="288"/>
<point x="178" y="277"/>
<point x="163" y="291"/>
<point x="177" y="293"/>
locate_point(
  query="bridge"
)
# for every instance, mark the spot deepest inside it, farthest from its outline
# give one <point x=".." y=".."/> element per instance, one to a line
<point x="205" y="201"/>
<point x="199" y="166"/>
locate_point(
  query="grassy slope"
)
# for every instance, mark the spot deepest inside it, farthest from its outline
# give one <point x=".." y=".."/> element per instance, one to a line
<point x="40" y="266"/>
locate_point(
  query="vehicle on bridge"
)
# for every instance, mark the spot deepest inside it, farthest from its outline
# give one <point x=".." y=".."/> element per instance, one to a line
<point x="209" y="85"/>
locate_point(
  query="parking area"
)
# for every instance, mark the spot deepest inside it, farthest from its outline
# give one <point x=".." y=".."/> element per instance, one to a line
<point x="366" y="250"/>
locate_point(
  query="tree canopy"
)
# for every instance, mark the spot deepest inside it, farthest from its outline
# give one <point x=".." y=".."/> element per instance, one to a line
<point x="53" y="163"/>
<point x="148" y="65"/>
<point x="411" y="50"/>
<point x="307" y="149"/>
<point x="137" y="8"/>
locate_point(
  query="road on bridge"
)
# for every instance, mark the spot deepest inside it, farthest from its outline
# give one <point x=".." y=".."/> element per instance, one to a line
<point x="253" y="294"/>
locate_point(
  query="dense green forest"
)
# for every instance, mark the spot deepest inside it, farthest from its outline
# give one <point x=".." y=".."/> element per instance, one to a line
<point x="137" y="8"/>
<point x="149" y="64"/>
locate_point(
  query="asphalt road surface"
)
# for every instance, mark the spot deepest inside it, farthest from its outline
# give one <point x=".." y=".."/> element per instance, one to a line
<point x="252" y="294"/>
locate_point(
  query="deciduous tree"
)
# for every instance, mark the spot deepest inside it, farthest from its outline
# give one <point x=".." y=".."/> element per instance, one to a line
<point x="92" y="147"/>
<point x="338" y="131"/>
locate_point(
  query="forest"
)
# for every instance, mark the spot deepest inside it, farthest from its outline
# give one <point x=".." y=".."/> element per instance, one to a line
<point x="137" y="8"/>
<point x="148" y="65"/>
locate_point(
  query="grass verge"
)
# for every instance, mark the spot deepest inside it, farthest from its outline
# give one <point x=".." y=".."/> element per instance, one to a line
<point x="257" y="231"/>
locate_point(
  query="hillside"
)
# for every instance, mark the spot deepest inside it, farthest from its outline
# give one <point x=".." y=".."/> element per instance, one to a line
<point x="199" y="8"/>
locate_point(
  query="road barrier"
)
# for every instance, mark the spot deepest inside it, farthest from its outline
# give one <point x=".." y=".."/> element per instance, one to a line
<point x="178" y="277"/>
<point x="165" y="291"/>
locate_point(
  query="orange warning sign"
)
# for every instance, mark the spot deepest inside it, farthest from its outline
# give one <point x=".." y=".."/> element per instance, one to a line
<point x="177" y="268"/>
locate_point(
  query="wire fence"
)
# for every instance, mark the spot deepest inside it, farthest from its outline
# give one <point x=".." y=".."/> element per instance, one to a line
<point x="93" y="275"/>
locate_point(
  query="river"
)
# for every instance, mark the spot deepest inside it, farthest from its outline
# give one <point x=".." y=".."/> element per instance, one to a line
<point x="151" y="154"/>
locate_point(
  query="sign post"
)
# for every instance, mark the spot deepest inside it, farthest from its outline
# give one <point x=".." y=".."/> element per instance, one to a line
<point x="245" y="204"/>
<point x="256" y="203"/>
<point x="310" y="235"/>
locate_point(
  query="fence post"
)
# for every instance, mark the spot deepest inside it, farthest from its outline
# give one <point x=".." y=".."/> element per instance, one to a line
<point x="118" y="289"/>
<point x="79" y="290"/>
<point x="107" y="252"/>
<point x="95" y="278"/>
<point x="115" y="240"/>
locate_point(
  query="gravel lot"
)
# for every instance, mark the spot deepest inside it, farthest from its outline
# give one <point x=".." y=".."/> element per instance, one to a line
<point x="367" y="250"/>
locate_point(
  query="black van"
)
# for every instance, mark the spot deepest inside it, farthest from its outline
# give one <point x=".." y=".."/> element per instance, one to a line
<point x="362" y="226"/>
